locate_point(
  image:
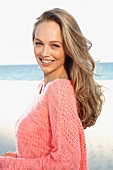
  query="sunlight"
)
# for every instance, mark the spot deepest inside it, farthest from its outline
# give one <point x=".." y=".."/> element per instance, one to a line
<point x="15" y="96"/>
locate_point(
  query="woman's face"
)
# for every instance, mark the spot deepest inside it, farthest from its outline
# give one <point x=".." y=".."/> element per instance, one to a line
<point x="48" y="48"/>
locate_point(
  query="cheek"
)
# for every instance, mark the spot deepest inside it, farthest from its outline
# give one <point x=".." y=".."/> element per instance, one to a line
<point x="36" y="52"/>
<point x="61" y="56"/>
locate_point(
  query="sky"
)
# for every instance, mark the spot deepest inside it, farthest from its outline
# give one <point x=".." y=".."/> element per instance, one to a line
<point x="18" y="16"/>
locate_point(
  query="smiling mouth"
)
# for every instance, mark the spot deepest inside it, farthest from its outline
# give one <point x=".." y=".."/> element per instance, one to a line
<point x="47" y="61"/>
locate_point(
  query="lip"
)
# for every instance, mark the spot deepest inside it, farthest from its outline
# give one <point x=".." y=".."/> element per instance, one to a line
<point x="45" y="62"/>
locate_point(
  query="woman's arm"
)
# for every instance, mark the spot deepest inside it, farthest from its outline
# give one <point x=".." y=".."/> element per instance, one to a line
<point x="66" y="152"/>
<point x="12" y="154"/>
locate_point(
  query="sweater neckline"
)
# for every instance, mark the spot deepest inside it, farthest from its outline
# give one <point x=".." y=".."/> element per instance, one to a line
<point x="42" y="88"/>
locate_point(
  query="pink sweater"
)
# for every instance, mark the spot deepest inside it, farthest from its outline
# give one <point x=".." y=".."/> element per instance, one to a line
<point x="50" y="136"/>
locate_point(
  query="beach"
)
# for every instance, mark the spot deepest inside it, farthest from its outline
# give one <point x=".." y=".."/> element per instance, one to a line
<point x="15" y="97"/>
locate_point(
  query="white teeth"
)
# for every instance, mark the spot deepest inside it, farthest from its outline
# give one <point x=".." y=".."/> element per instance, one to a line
<point x="46" y="61"/>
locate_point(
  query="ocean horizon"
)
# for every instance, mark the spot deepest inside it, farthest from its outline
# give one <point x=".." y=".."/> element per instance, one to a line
<point x="103" y="71"/>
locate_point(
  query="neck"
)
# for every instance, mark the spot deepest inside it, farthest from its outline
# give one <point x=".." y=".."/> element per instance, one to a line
<point x="62" y="75"/>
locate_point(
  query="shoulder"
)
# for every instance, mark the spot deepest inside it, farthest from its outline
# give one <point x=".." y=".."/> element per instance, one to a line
<point x="60" y="87"/>
<point x="59" y="84"/>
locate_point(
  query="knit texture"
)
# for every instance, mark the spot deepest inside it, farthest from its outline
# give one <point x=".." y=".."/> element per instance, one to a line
<point x="49" y="136"/>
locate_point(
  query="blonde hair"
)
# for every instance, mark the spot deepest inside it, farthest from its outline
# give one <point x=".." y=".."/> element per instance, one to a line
<point x="78" y="63"/>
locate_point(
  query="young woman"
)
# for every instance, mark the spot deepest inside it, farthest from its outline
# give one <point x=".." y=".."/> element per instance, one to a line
<point x="50" y="136"/>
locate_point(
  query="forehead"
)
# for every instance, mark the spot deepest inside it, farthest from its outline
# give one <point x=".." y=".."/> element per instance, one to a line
<point x="48" y="29"/>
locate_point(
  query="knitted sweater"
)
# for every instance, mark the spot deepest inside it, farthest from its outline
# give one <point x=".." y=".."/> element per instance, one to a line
<point x="49" y="136"/>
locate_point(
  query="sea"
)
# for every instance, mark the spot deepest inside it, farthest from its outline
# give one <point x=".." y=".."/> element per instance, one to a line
<point x="103" y="71"/>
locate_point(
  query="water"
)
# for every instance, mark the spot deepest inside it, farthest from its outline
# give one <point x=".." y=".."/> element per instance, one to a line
<point x="104" y="71"/>
<point x="20" y="72"/>
<point x="32" y="72"/>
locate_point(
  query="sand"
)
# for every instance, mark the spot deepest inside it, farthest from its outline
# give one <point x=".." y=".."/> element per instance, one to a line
<point x="15" y="96"/>
<point x="100" y="137"/>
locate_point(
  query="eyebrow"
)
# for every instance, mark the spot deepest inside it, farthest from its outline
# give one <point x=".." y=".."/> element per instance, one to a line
<point x="50" y="41"/>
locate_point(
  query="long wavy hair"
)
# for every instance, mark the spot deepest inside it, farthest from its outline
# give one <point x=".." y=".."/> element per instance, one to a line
<point x="78" y="63"/>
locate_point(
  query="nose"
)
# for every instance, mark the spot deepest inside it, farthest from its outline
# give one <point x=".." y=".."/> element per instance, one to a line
<point x="45" y="51"/>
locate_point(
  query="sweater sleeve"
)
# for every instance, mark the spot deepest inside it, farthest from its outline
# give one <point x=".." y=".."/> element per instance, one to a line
<point x="66" y="152"/>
